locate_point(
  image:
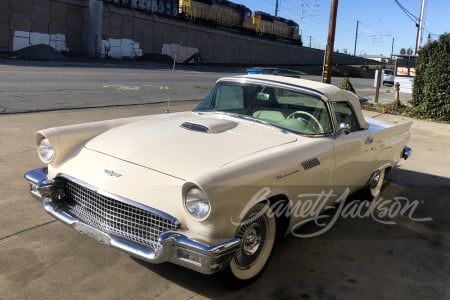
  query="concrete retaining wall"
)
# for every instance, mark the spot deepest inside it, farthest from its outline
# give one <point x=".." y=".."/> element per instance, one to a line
<point x="30" y="22"/>
<point x="129" y="33"/>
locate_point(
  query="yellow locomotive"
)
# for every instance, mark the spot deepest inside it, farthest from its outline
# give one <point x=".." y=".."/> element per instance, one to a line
<point x="237" y="16"/>
<point x="216" y="12"/>
<point x="275" y="27"/>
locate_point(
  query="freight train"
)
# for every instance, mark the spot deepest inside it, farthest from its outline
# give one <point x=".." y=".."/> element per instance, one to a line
<point x="222" y="14"/>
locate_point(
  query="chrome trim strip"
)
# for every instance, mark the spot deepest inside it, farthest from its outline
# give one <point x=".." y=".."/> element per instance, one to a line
<point x="183" y="240"/>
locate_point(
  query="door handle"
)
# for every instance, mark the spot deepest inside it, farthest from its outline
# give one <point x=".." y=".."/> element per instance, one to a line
<point x="369" y="140"/>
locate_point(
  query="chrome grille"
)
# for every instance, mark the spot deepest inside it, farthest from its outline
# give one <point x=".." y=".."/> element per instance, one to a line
<point x="117" y="218"/>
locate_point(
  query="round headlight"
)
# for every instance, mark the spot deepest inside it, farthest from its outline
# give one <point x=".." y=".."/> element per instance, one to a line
<point x="197" y="203"/>
<point x="45" y="151"/>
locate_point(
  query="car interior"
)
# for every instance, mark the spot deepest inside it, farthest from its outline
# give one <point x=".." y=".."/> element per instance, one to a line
<point x="288" y="109"/>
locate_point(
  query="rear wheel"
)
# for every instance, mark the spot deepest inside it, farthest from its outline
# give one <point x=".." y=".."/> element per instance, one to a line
<point x="258" y="234"/>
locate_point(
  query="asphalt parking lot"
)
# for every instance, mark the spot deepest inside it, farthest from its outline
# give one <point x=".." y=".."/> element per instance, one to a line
<point x="356" y="259"/>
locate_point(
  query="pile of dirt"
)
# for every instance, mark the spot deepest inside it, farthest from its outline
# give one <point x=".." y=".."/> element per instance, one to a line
<point x="39" y="52"/>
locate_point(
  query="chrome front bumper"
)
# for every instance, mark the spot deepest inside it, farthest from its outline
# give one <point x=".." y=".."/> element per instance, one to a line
<point x="177" y="247"/>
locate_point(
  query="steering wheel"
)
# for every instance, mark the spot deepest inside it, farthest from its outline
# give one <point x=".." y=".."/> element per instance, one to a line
<point x="299" y="114"/>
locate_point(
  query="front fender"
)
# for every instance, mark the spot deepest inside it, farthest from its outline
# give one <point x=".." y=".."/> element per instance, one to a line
<point x="68" y="140"/>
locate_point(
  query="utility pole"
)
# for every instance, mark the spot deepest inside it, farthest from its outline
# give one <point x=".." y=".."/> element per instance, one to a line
<point x="276" y="8"/>
<point x="419" y="27"/>
<point x="310" y="39"/>
<point x="392" y="49"/>
<point x="356" y="38"/>
<point x="326" y="74"/>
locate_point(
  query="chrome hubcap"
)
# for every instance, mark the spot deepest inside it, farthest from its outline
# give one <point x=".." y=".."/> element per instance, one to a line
<point x="251" y="241"/>
<point x="253" y="235"/>
<point x="375" y="180"/>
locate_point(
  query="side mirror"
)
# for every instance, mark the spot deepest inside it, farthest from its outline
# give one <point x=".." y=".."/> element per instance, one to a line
<point x="345" y="128"/>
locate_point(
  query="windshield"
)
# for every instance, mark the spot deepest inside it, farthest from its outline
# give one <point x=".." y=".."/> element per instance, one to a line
<point x="288" y="109"/>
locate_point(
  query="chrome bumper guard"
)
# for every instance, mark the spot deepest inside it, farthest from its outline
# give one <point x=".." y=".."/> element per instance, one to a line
<point x="177" y="247"/>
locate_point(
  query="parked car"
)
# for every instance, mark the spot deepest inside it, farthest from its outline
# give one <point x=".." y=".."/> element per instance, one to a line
<point x="388" y="76"/>
<point x="200" y="188"/>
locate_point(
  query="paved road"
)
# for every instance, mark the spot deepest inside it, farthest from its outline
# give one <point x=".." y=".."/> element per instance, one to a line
<point x="357" y="259"/>
<point x="43" y="88"/>
<point x="31" y="86"/>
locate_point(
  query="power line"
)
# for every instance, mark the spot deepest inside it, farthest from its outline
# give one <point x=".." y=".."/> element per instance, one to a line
<point x="407" y="12"/>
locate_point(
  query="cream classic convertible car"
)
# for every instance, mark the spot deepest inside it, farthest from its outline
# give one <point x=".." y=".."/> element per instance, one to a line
<point x="204" y="189"/>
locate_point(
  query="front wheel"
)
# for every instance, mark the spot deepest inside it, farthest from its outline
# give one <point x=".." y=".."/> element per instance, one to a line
<point x="258" y="234"/>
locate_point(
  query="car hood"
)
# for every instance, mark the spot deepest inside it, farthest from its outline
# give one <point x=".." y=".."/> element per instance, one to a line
<point x="189" y="144"/>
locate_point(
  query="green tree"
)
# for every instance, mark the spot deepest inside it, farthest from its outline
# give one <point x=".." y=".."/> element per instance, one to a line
<point x="431" y="92"/>
<point x="408" y="51"/>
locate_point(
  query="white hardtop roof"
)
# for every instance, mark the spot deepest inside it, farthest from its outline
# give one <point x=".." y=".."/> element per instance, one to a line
<point x="331" y="92"/>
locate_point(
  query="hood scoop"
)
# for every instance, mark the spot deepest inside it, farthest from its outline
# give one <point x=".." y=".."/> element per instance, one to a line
<point x="209" y="125"/>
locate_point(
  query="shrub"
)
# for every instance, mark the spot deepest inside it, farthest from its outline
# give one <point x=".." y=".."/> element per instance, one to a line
<point x="347" y="85"/>
<point x="431" y="91"/>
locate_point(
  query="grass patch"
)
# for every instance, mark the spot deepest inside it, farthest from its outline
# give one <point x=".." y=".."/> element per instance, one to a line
<point x="397" y="109"/>
<point x="387" y="108"/>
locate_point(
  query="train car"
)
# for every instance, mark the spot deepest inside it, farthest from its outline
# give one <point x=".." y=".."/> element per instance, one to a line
<point x="275" y="28"/>
<point x="199" y="11"/>
<point x="264" y="24"/>
<point x="224" y="13"/>
<point x="247" y="24"/>
<point x="164" y="7"/>
<point x="214" y="12"/>
<point x="280" y="27"/>
<point x="295" y="32"/>
<point x="229" y="13"/>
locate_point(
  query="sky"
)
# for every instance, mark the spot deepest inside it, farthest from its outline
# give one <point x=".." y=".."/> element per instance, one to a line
<point x="382" y="23"/>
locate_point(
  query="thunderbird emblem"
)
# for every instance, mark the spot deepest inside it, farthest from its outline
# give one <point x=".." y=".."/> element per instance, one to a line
<point x="112" y="173"/>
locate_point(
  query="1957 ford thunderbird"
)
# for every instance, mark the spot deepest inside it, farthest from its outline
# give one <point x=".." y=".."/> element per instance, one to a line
<point x="200" y="188"/>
